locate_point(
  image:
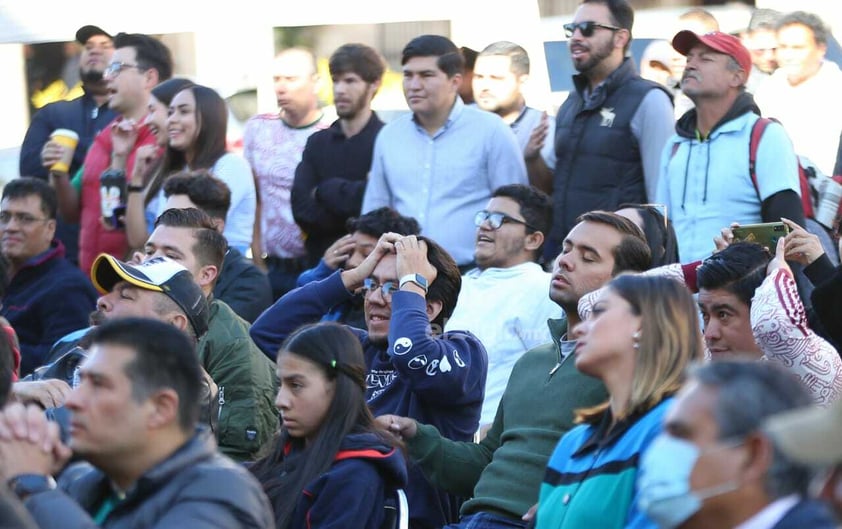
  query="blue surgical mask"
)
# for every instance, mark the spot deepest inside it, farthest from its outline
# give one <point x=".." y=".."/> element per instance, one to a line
<point x="664" y="482"/>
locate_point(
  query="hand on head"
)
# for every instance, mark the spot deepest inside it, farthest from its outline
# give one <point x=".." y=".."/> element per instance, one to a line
<point x="338" y="253"/>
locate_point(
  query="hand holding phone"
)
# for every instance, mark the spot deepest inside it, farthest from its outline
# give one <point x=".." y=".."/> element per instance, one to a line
<point x="765" y="234"/>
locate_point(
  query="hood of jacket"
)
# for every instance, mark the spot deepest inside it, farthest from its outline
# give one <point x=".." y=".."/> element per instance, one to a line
<point x="389" y="460"/>
<point x="686" y="124"/>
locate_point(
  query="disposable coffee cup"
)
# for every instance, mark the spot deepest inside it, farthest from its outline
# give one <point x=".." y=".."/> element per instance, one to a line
<point x="68" y="139"/>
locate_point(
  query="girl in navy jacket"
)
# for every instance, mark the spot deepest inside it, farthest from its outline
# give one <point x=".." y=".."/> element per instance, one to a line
<point x="331" y="466"/>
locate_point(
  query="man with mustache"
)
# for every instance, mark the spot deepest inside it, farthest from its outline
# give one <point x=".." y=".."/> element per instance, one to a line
<point x="330" y="180"/>
<point x="705" y="175"/>
<point x="611" y="130"/>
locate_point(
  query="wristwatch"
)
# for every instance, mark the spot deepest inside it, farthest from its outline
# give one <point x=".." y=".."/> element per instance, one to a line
<point x="131" y="188"/>
<point x="27" y="484"/>
<point x="418" y="279"/>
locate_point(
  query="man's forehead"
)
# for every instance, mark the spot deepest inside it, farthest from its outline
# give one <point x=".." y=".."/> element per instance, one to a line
<point x="424" y="63"/>
<point x="19" y="203"/>
<point x="719" y="297"/>
<point x="386" y="269"/>
<point x="176" y="237"/>
<point x="692" y="409"/>
<point x="105" y="359"/>
<point x="593" y="11"/>
<point x="493" y="63"/>
<point x="597" y="235"/>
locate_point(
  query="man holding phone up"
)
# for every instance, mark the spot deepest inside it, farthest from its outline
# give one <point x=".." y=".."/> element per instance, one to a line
<point x="705" y="177"/>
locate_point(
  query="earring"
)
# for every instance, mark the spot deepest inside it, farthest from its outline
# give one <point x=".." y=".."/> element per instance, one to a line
<point x="636" y="339"/>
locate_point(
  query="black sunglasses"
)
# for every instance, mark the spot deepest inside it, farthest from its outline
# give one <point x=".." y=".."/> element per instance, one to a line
<point x="586" y="28"/>
<point x="497" y="219"/>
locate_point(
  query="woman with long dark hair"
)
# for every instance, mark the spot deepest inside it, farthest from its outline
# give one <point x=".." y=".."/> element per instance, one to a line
<point x="331" y="464"/>
<point x="195" y="128"/>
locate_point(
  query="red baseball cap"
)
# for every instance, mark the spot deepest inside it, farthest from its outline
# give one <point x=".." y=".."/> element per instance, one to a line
<point x="684" y="41"/>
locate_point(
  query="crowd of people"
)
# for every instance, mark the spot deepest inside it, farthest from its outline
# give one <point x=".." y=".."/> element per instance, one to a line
<point x="474" y="316"/>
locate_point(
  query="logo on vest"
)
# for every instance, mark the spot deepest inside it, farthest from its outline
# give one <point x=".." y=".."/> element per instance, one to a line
<point x="607" y="117"/>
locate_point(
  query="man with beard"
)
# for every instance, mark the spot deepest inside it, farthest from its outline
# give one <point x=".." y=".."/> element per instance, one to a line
<point x="611" y="130"/>
<point x="414" y="370"/>
<point x="500" y="71"/>
<point x="86" y="116"/>
<point x="331" y="178"/>
<point x="705" y="179"/>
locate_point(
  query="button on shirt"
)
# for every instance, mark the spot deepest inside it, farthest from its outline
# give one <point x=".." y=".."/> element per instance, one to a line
<point x="444" y="179"/>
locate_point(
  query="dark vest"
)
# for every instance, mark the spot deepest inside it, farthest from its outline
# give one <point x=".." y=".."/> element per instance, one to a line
<point x="598" y="160"/>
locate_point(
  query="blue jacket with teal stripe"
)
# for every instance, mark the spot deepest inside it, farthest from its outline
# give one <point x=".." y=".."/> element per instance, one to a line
<point x="590" y="479"/>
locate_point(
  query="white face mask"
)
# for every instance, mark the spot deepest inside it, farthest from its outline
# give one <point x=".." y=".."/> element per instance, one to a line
<point x="664" y="482"/>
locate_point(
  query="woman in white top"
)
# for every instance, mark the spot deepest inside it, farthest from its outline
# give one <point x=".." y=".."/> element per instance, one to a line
<point x="196" y="127"/>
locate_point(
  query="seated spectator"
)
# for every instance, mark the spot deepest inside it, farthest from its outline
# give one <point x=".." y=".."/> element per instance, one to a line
<point x="240" y="284"/>
<point x="247" y="417"/>
<point x="504" y="300"/>
<point x="652" y="219"/>
<point x="501" y="474"/>
<point x="350" y="250"/>
<point x="643" y="333"/>
<point x="714" y="466"/>
<point x="813" y="436"/>
<point x="749" y="304"/>
<point x="414" y="370"/>
<point x="47" y="296"/>
<point x="135" y="415"/>
<point x="347" y="466"/>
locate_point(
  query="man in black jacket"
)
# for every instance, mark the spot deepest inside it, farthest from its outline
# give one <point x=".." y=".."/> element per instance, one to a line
<point x="134" y="418"/>
<point x="331" y="178"/>
<point x="85" y="115"/>
<point x="240" y="284"/>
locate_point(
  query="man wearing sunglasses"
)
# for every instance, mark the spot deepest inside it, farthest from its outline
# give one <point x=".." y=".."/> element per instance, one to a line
<point x="504" y="300"/>
<point x="411" y="284"/>
<point x="612" y="128"/>
<point x="138" y="64"/>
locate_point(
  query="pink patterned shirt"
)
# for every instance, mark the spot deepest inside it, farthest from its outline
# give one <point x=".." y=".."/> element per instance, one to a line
<point x="274" y="149"/>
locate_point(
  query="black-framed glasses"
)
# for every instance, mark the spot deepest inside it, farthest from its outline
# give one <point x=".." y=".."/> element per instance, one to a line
<point x="114" y="69"/>
<point x="496" y="219"/>
<point x="386" y="289"/>
<point x="21" y="219"/>
<point x="586" y="28"/>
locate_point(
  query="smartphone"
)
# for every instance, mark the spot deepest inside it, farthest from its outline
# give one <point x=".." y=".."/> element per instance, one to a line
<point x="765" y="234"/>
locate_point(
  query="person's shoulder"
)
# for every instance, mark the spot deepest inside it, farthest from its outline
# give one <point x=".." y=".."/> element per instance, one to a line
<point x="231" y="160"/>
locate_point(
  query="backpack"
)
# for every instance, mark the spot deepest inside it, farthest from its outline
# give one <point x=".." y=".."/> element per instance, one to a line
<point x="821" y="196"/>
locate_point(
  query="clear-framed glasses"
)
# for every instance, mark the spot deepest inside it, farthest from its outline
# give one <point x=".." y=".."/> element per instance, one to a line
<point x="386" y="289"/>
<point x="114" y="69"/>
<point x="21" y="219"/>
<point x="586" y="28"/>
<point x="496" y="219"/>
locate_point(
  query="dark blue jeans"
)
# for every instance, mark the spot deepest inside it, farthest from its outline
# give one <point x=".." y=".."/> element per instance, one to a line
<point x="485" y="520"/>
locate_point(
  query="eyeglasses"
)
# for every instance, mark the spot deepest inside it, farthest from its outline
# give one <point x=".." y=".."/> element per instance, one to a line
<point x="114" y="69"/>
<point x="386" y="289"/>
<point x="21" y="219"/>
<point x="497" y="219"/>
<point x="586" y="28"/>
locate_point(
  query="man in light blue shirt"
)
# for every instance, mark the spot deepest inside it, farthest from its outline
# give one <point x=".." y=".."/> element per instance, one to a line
<point x="441" y="163"/>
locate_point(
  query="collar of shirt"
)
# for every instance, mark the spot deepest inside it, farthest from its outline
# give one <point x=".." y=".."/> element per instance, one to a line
<point x="771" y="514"/>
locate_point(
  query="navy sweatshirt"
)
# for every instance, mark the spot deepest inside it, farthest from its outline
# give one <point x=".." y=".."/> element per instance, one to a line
<point x="434" y="380"/>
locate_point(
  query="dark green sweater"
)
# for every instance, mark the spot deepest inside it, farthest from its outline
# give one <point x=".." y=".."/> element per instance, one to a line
<point x="502" y="474"/>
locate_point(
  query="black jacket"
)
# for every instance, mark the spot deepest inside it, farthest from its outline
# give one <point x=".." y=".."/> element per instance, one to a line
<point x="243" y="286"/>
<point x="194" y="488"/>
<point x="598" y="157"/>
